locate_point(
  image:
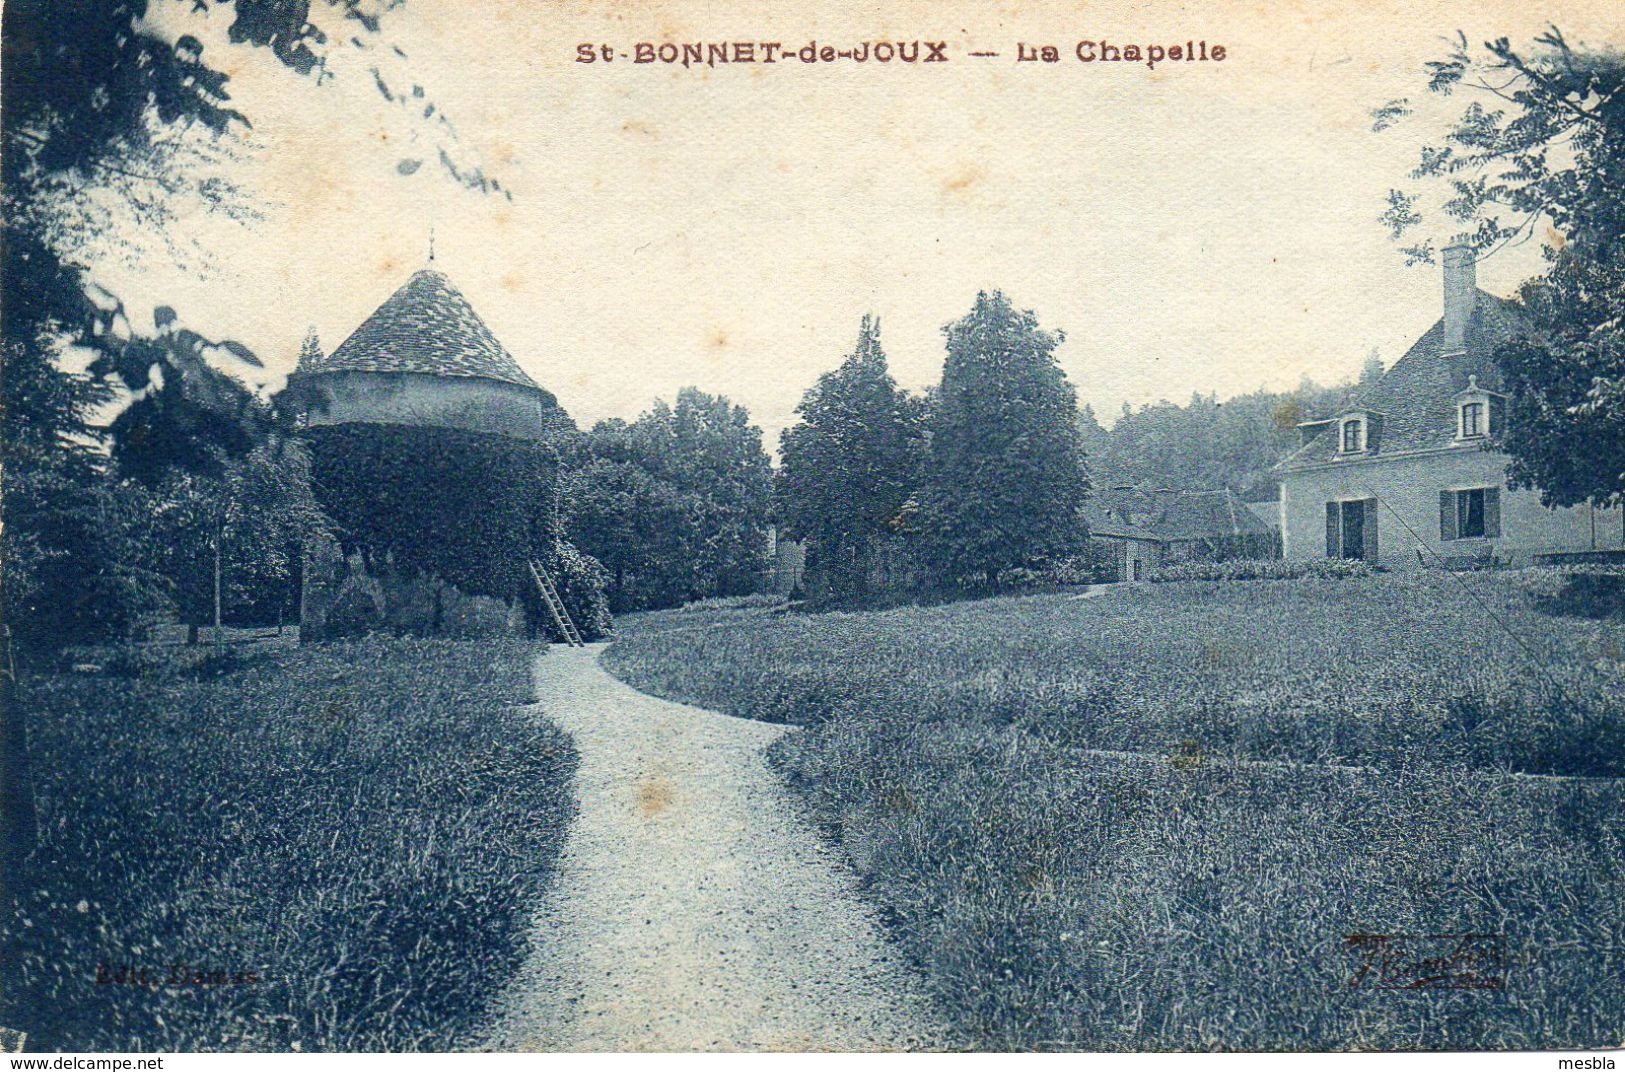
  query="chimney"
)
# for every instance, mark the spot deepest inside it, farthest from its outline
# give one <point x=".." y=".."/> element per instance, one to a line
<point x="1460" y="288"/>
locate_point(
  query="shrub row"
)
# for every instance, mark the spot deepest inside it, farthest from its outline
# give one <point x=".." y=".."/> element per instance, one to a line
<point x="1262" y="569"/>
<point x="1587" y="591"/>
<point x="750" y="602"/>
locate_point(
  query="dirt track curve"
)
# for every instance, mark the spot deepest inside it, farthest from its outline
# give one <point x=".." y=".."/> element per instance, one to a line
<point x="695" y="908"/>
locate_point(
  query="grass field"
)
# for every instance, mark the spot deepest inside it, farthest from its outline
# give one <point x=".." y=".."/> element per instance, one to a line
<point x="1150" y="819"/>
<point x="328" y="847"/>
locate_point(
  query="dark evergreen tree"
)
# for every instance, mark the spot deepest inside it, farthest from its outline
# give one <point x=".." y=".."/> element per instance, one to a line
<point x="851" y="464"/>
<point x="1005" y="476"/>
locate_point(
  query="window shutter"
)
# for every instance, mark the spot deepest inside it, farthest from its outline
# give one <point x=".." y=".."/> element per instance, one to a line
<point x="1492" y="512"/>
<point x="1447" y="515"/>
<point x="1371" y="531"/>
<point x="1333" y="545"/>
<point x="1373" y="434"/>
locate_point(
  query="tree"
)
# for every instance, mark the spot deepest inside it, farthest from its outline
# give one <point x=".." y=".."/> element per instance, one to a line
<point x="674" y="504"/>
<point x="187" y="415"/>
<point x="230" y="544"/>
<point x="1207" y="444"/>
<point x="1372" y="370"/>
<point x="634" y="522"/>
<point x="1550" y="147"/>
<point x="1005" y="476"/>
<point x="1565" y="426"/>
<point x="1092" y="435"/>
<point x="852" y="462"/>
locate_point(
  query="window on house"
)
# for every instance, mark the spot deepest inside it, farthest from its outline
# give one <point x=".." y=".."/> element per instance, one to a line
<point x="1472" y="419"/>
<point x="1353" y="436"/>
<point x="1470" y="514"/>
<point x="1351" y="529"/>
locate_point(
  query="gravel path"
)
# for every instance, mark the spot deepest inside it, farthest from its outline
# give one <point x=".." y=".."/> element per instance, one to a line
<point x="695" y="908"/>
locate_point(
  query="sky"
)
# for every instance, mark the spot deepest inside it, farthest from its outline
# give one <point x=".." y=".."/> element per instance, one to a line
<point x="1193" y="227"/>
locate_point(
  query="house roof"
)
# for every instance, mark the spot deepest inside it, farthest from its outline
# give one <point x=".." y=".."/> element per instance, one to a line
<point x="426" y="326"/>
<point x="1171" y="516"/>
<point x="1417" y="397"/>
<point x="1268" y="512"/>
<point x="1104" y="522"/>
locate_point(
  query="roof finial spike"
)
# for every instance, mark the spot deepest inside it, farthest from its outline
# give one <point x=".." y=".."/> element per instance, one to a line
<point x="431" y="243"/>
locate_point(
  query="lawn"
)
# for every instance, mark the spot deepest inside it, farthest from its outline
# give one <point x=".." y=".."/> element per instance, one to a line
<point x="327" y="847"/>
<point x="1151" y="819"/>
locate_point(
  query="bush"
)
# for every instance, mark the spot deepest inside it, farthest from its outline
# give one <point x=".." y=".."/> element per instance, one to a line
<point x="583" y="583"/>
<point x="356" y="832"/>
<point x="1262" y="569"/>
<point x="358" y="608"/>
<point x="1586" y="591"/>
<point x="751" y="602"/>
<point x="1084" y="569"/>
<point x="476" y="617"/>
<point x="1022" y="577"/>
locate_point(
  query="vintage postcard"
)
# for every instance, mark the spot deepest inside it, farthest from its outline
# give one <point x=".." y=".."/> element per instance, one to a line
<point x="828" y="526"/>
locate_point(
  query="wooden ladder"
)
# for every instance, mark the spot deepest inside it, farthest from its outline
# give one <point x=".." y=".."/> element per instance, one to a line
<point x="555" y="605"/>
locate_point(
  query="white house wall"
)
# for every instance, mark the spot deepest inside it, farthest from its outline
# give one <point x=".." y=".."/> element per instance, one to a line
<point x="1407" y="491"/>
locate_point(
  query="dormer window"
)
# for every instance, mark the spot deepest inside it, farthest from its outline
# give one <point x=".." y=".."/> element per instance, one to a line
<point x="1353" y="435"/>
<point x="1477" y="411"/>
<point x="1472" y="424"/>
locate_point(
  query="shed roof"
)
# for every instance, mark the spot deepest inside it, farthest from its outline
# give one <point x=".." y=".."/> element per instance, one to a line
<point x="1169" y="516"/>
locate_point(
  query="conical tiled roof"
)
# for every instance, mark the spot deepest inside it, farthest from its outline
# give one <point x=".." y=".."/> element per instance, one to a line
<point x="426" y="326"/>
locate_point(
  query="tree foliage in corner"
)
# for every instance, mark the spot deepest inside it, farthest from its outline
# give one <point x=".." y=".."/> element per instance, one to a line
<point x="1005" y="474"/>
<point x="1548" y="146"/>
<point x="852" y="463"/>
<point x="108" y="126"/>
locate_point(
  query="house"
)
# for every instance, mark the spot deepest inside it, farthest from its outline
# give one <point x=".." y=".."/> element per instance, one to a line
<point x="1137" y="529"/>
<point x="1127" y="551"/>
<point x="1407" y="473"/>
